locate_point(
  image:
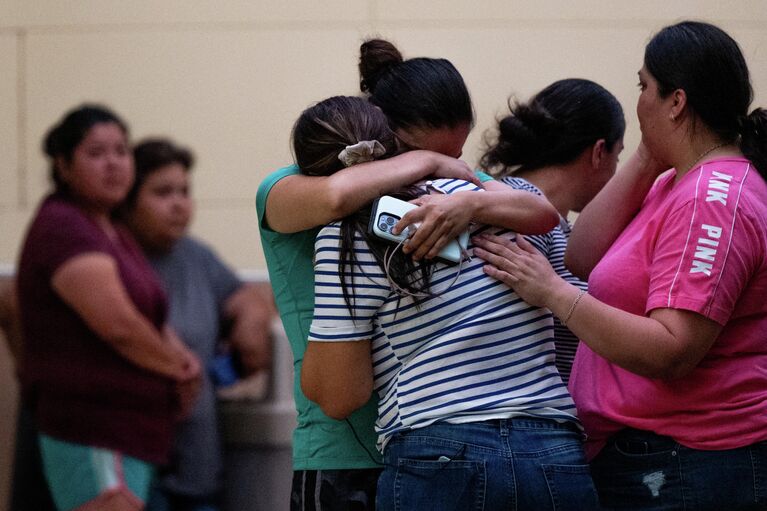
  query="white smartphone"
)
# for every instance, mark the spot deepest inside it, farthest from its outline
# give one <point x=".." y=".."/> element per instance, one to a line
<point x="387" y="211"/>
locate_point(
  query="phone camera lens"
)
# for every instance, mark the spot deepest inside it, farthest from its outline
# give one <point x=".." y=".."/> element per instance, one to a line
<point x="390" y="220"/>
<point x="383" y="226"/>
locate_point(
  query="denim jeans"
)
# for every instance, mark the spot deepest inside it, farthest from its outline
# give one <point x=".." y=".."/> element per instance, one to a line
<point x="642" y="470"/>
<point x="514" y="464"/>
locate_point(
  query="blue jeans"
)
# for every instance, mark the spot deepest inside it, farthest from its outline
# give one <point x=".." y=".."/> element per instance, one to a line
<point x="642" y="470"/>
<point x="514" y="464"/>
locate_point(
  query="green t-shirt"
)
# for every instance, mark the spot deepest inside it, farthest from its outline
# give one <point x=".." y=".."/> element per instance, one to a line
<point x="319" y="442"/>
<point x="483" y="178"/>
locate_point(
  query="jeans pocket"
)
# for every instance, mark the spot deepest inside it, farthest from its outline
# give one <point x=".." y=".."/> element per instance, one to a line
<point x="571" y="487"/>
<point x="438" y="484"/>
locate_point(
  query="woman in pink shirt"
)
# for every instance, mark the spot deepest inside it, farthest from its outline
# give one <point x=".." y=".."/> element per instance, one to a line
<point x="670" y="380"/>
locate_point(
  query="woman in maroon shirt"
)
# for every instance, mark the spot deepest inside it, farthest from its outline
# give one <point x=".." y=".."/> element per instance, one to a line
<point x="103" y="373"/>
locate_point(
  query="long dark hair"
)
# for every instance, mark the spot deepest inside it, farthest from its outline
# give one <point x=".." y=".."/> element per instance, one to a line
<point x="708" y="65"/>
<point x="414" y="93"/>
<point x="554" y="127"/>
<point x="319" y="135"/>
<point x="63" y="138"/>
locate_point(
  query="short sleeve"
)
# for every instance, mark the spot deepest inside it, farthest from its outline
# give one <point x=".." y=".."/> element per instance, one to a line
<point x="334" y="320"/>
<point x="483" y="177"/>
<point x="222" y="279"/>
<point x="263" y="192"/>
<point x="702" y="260"/>
<point x="63" y="232"/>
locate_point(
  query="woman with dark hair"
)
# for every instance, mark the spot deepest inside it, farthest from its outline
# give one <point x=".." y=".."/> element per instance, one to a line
<point x="564" y="144"/>
<point x="472" y="411"/>
<point x="334" y="457"/>
<point x="107" y="377"/>
<point x="204" y="295"/>
<point x="671" y="377"/>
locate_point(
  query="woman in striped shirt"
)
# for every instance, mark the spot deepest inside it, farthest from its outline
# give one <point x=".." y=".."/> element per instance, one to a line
<point x="472" y="411"/>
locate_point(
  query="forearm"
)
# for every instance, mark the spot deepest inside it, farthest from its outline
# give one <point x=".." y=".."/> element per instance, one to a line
<point x="251" y="312"/>
<point x="638" y="344"/>
<point x="604" y="218"/>
<point x="139" y="342"/>
<point x="520" y="211"/>
<point x="298" y="202"/>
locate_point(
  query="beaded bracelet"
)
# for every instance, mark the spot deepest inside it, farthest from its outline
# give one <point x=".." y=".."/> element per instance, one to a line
<point x="572" y="307"/>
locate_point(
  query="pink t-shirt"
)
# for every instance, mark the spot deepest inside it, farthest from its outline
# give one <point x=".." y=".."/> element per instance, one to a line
<point x="699" y="245"/>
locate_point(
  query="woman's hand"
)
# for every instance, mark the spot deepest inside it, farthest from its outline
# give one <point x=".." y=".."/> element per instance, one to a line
<point x="441" y="219"/>
<point x="646" y="162"/>
<point x="188" y="387"/>
<point x="520" y="266"/>
<point x="251" y="311"/>
<point x="188" y="380"/>
<point x="449" y="167"/>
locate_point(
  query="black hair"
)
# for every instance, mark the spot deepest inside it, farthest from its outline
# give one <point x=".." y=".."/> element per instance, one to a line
<point x="319" y="135"/>
<point x="63" y="138"/>
<point x="414" y="93"/>
<point x="152" y="154"/>
<point x="554" y="127"/>
<point x="709" y="66"/>
<point x="323" y="130"/>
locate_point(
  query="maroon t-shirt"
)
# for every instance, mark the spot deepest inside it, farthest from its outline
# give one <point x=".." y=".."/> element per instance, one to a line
<point x="82" y="390"/>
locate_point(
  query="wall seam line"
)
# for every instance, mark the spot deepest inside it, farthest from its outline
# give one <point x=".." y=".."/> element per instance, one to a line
<point x="21" y="119"/>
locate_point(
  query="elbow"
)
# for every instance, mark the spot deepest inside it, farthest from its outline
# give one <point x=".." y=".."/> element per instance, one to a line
<point x="552" y="218"/>
<point x="337" y="205"/>
<point x="338" y="410"/>
<point x="576" y="267"/>
<point x="117" y="333"/>
<point x="675" y="370"/>
<point x="335" y="403"/>
<point x="545" y="219"/>
<point x="671" y="367"/>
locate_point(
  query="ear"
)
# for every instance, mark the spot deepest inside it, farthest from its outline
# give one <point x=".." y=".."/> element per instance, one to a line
<point x="598" y="152"/>
<point x="678" y="103"/>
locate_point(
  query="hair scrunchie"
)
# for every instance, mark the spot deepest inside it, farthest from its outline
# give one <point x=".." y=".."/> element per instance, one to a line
<point x="361" y="152"/>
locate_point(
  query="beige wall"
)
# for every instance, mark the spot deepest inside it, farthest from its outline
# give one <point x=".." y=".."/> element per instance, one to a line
<point x="228" y="78"/>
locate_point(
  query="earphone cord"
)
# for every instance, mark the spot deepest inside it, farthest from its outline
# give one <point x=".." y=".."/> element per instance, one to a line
<point x="404" y="292"/>
<point x="356" y="437"/>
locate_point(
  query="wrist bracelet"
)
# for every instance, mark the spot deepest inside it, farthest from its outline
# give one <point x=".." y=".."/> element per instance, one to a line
<point x="572" y="307"/>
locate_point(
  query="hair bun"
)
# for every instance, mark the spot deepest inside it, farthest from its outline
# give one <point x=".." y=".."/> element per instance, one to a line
<point x="376" y="56"/>
<point x="524" y="135"/>
<point x="755" y="122"/>
<point x="52" y="142"/>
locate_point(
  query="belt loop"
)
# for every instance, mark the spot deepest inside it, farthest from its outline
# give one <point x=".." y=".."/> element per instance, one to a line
<point x="504" y="427"/>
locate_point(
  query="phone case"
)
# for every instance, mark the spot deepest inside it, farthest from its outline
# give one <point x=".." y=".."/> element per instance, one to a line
<point x="387" y="211"/>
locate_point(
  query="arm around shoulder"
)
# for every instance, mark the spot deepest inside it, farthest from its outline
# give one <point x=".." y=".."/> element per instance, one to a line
<point x="297" y="202"/>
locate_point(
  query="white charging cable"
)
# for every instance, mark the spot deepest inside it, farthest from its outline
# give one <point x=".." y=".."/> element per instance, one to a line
<point x="389" y="254"/>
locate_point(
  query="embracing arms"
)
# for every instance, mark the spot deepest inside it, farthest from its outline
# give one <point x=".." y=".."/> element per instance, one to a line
<point x="296" y="203"/>
<point x="443" y="217"/>
<point x="668" y="344"/>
